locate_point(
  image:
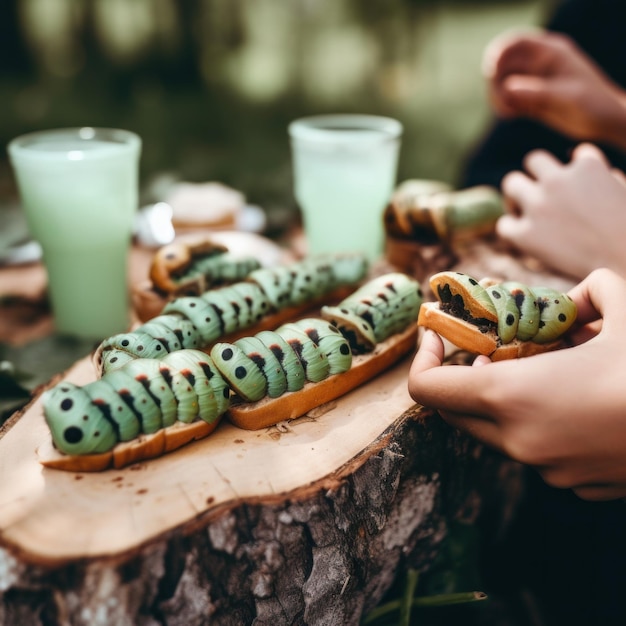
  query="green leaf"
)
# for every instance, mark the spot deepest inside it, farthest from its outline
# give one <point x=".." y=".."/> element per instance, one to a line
<point x="412" y="576"/>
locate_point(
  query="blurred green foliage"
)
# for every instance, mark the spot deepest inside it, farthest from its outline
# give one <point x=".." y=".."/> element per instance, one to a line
<point x="210" y="85"/>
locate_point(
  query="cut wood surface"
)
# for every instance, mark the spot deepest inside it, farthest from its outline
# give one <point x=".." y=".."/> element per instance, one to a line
<point x="306" y="522"/>
<point x="52" y="515"/>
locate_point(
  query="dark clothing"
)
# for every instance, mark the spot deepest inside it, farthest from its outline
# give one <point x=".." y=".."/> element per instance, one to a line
<point x="599" y="28"/>
<point x="570" y="553"/>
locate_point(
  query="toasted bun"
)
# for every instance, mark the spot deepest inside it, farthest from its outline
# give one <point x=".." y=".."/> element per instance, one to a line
<point x="470" y="337"/>
<point x="270" y="411"/>
<point x="147" y="301"/>
<point x="419" y="260"/>
<point x="123" y="454"/>
<point x="250" y="416"/>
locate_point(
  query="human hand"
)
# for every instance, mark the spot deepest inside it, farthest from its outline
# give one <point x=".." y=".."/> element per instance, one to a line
<point x="547" y="77"/>
<point x="561" y="412"/>
<point x="569" y="216"/>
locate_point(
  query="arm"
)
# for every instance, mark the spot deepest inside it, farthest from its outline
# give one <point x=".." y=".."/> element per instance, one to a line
<point x="570" y="216"/>
<point x="547" y="77"/>
<point x="563" y="412"/>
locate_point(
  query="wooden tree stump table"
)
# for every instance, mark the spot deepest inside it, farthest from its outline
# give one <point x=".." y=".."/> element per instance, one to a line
<point x="307" y="522"/>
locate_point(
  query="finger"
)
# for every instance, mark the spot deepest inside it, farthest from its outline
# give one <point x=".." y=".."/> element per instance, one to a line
<point x="585" y="332"/>
<point x="455" y="388"/>
<point x="540" y="163"/>
<point x="619" y="175"/>
<point x="437" y="387"/>
<point x="519" y="190"/>
<point x="480" y="360"/>
<point x="529" y="96"/>
<point x="491" y="65"/>
<point x="430" y="354"/>
<point x="511" y="51"/>
<point x="514" y="229"/>
<point x="597" y="493"/>
<point x="569" y="476"/>
<point x="589" y="151"/>
<point x="601" y="294"/>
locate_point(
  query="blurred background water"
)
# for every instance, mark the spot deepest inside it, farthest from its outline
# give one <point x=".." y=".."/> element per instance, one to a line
<point x="210" y="85"/>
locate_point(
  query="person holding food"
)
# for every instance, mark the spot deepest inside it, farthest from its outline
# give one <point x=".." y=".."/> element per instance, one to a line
<point x="571" y="216"/>
<point x="543" y="410"/>
<point x="557" y="152"/>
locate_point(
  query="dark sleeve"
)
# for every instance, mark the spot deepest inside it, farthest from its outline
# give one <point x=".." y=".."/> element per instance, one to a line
<point x="599" y="27"/>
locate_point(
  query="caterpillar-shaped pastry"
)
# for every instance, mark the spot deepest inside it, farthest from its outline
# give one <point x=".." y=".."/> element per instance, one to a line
<point x="427" y="212"/>
<point x="146" y="395"/>
<point x="190" y="268"/>
<point x="377" y="310"/>
<point x="502" y="320"/>
<point x="142" y="397"/>
<point x="195" y="322"/>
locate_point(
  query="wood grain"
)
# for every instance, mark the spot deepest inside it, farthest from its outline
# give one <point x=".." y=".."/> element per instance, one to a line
<point x="52" y="515"/>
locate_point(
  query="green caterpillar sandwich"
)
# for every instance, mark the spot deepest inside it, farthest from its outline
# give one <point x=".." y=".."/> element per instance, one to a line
<point x="146" y="407"/>
<point x="501" y="320"/>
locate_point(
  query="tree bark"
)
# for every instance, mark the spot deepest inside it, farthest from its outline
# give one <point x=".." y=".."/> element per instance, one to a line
<point x="322" y="554"/>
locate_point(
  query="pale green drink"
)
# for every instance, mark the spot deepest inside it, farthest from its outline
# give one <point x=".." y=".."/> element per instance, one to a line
<point x="79" y="189"/>
<point x="344" y="169"/>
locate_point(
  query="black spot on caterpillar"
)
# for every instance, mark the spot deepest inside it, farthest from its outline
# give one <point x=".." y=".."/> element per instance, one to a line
<point x="197" y="321"/>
